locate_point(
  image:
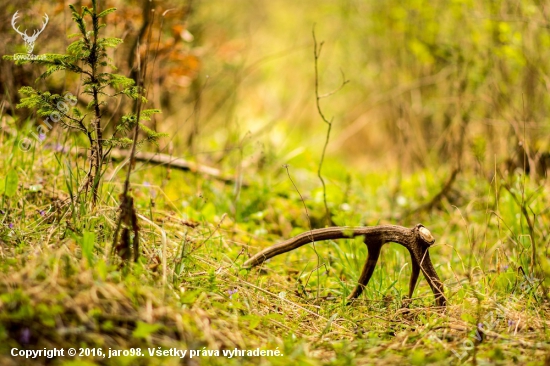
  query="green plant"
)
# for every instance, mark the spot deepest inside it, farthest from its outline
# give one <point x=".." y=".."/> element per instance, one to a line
<point x="88" y="58"/>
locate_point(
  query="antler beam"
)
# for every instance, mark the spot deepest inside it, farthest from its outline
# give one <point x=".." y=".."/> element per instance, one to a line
<point x="13" y="19"/>
<point x="417" y="241"/>
<point x="44" y="23"/>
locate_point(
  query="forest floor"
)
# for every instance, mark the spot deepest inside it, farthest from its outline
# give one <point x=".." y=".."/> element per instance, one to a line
<point x="61" y="288"/>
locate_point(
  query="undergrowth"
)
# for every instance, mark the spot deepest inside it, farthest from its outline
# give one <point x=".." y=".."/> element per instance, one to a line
<point x="188" y="289"/>
<point x="430" y="96"/>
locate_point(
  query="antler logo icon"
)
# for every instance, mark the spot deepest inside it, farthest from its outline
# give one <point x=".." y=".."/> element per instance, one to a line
<point x="29" y="40"/>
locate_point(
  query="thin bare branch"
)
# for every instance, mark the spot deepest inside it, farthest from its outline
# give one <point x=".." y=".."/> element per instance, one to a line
<point x="317" y="47"/>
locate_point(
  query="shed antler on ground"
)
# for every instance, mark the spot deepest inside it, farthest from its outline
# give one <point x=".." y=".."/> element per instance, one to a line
<point x="417" y="240"/>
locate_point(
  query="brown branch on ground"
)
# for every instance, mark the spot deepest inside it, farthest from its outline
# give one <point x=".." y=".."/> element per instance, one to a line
<point x="444" y="192"/>
<point x="436" y="200"/>
<point x="174" y="162"/>
<point x="417" y="241"/>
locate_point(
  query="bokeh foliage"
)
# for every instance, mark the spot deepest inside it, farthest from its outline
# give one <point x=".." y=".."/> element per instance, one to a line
<point x="435" y="85"/>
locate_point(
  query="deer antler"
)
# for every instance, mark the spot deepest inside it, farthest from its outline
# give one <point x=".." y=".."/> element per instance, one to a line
<point x="24" y="34"/>
<point x="35" y="34"/>
<point x="44" y="24"/>
<point x="417" y="240"/>
<point x="15" y="16"/>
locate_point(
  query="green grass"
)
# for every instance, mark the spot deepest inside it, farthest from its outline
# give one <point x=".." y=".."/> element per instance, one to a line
<point x="60" y="288"/>
<point x="459" y="82"/>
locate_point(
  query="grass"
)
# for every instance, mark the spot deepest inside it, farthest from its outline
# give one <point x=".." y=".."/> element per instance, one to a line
<point x="59" y="288"/>
<point x="411" y="105"/>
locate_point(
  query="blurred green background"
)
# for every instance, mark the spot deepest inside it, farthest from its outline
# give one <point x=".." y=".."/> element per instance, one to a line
<point x="431" y="82"/>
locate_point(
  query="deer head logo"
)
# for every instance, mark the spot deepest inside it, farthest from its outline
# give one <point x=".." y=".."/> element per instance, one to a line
<point x="29" y="40"/>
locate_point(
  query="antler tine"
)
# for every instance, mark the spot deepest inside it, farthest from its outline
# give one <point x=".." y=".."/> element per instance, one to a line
<point x="46" y="21"/>
<point x="15" y="16"/>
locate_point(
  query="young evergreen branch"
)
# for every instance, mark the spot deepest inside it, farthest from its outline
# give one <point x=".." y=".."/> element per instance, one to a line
<point x="88" y="57"/>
